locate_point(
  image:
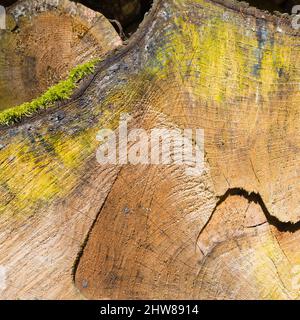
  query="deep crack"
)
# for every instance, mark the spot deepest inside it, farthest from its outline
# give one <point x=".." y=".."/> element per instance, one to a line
<point x="255" y="198"/>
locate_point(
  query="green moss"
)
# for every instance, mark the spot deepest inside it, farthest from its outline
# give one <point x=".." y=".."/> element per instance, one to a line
<point x="39" y="171"/>
<point x="61" y="91"/>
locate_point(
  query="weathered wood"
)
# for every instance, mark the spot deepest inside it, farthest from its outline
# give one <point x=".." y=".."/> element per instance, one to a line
<point x="43" y="41"/>
<point x="153" y="231"/>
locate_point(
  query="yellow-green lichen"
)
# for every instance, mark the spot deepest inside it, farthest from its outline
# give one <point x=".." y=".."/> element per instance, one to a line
<point x="61" y="91"/>
<point x="221" y="58"/>
<point x="47" y="166"/>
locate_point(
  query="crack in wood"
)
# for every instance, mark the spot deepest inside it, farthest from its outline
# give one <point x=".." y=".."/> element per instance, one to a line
<point x="257" y="199"/>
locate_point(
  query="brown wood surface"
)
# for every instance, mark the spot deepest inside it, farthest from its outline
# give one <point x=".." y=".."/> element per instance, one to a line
<point x="72" y="228"/>
<point x="43" y="41"/>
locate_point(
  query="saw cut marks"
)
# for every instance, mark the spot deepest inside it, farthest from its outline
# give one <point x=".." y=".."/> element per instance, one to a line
<point x="43" y="41"/>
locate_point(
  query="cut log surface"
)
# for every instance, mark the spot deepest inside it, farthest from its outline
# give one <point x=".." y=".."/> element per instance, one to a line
<point x="72" y="228"/>
<point x="43" y="41"/>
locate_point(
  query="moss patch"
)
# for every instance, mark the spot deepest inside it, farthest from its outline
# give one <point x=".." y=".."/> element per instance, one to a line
<point x="61" y="91"/>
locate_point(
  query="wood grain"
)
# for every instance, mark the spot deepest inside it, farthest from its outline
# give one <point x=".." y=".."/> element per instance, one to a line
<point x="154" y="231"/>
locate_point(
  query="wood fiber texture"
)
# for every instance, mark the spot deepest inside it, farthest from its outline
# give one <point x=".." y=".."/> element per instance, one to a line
<point x="72" y="228"/>
<point x="43" y="41"/>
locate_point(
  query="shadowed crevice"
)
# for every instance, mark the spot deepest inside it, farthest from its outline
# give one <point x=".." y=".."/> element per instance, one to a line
<point x="257" y="199"/>
<point x="87" y="237"/>
<point x="124" y="15"/>
<point x="283" y="6"/>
